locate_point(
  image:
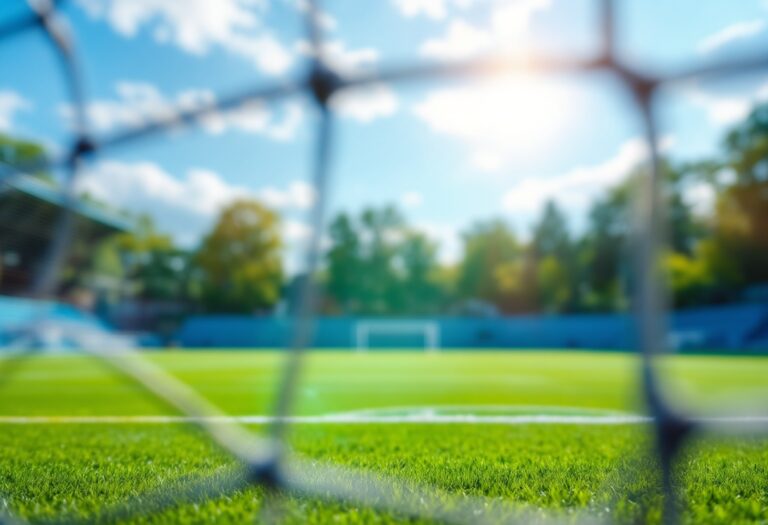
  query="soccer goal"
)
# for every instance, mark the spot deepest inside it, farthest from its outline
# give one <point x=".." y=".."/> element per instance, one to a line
<point x="429" y="331"/>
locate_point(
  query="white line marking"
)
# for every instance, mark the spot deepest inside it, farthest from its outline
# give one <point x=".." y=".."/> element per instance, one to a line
<point x="483" y="410"/>
<point x="420" y="418"/>
<point x="352" y="419"/>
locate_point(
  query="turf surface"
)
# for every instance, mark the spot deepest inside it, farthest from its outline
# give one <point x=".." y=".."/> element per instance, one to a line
<point x="49" y="471"/>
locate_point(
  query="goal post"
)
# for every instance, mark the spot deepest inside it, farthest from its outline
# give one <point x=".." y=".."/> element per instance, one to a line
<point x="429" y="330"/>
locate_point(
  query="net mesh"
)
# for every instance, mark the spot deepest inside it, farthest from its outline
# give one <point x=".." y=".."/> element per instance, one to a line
<point x="266" y="461"/>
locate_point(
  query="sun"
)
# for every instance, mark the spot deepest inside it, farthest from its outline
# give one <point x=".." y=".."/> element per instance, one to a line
<point x="502" y="117"/>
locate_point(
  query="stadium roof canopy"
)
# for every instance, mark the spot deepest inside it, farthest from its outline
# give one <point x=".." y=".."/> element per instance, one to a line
<point x="30" y="209"/>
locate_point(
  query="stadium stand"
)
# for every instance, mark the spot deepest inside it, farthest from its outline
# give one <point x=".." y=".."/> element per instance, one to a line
<point x="29" y="207"/>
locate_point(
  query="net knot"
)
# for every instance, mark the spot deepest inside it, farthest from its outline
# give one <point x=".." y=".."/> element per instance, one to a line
<point x="324" y="82"/>
<point x="83" y="146"/>
<point x="265" y="473"/>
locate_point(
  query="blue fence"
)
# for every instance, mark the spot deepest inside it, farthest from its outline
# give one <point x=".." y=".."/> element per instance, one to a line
<point x="742" y="327"/>
<point x="733" y="327"/>
<point x="17" y="313"/>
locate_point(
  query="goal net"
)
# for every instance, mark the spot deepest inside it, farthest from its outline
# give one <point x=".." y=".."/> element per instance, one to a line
<point x="369" y="333"/>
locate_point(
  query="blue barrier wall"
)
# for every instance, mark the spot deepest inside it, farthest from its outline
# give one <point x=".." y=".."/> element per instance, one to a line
<point x="732" y="327"/>
<point x="740" y="327"/>
<point x="17" y="313"/>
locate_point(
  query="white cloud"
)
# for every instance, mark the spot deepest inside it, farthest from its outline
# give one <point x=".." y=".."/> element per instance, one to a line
<point x="185" y="207"/>
<point x="411" y="199"/>
<point x="324" y="19"/>
<point x="296" y="230"/>
<point x="298" y="195"/>
<point x="254" y="117"/>
<point x="434" y="9"/>
<point x="722" y="110"/>
<point x="366" y="104"/>
<point x="340" y="57"/>
<point x="146" y="187"/>
<point x="461" y="40"/>
<point x="726" y="109"/>
<point x="139" y="102"/>
<point x="731" y="33"/>
<point x="198" y="26"/>
<point x="577" y="188"/>
<point x="487" y="161"/>
<point x="508" y="31"/>
<point x="10" y="104"/>
<point x="492" y="115"/>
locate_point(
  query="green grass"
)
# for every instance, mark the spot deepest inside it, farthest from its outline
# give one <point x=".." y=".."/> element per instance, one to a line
<point x="49" y="471"/>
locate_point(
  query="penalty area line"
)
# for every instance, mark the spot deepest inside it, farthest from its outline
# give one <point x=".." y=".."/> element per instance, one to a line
<point x="365" y="419"/>
<point x="339" y="419"/>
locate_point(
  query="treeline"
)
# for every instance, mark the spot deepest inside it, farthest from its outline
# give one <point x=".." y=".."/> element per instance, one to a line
<point x="715" y="226"/>
<point x="379" y="264"/>
<point x="376" y="263"/>
<point x="237" y="266"/>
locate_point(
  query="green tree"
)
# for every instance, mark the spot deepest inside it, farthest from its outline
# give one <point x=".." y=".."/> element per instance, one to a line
<point x="555" y="258"/>
<point x="240" y="261"/>
<point x="690" y="278"/>
<point x="142" y="263"/>
<point x="550" y="233"/>
<point x="728" y="249"/>
<point x="602" y="256"/>
<point x="741" y="213"/>
<point x="23" y="154"/>
<point x="362" y="277"/>
<point x="345" y="265"/>
<point x="378" y="265"/>
<point x="381" y="231"/>
<point x="154" y="262"/>
<point x="494" y="267"/>
<point x="554" y="284"/>
<point x="420" y="281"/>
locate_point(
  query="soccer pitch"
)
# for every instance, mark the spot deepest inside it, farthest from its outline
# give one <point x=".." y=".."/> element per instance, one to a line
<point x="541" y="431"/>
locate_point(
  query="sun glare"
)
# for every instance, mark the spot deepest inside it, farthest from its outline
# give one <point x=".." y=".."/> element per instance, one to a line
<point x="517" y="115"/>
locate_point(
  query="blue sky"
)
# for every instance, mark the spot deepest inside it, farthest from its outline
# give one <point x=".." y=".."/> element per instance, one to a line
<point x="448" y="153"/>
